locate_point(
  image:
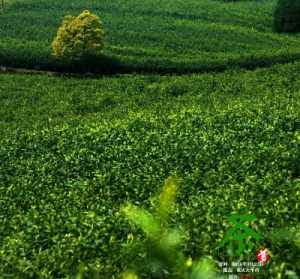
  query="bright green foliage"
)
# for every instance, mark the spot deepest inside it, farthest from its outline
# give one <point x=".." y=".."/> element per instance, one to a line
<point x="185" y="35"/>
<point x="287" y="16"/>
<point x="129" y="275"/>
<point x="203" y="269"/>
<point x="143" y="219"/>
<point x="167" y="198"/>
<point x="162" y="247"/>
<point x="79" y="39"/>
<point x="161" y="243"/>
<point x="73" y="149"/>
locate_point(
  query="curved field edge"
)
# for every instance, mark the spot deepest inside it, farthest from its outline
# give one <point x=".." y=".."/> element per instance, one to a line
<point x="61" y="186"/>
<point x="162" y="37"/>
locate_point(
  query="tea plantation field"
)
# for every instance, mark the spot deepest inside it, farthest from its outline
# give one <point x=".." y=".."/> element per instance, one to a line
<point x="153" y="35"/>
<point x="188" y="96"/>
<point x="74" y="150"/>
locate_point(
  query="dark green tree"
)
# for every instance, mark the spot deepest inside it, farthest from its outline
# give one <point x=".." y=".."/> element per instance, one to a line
<point x="287" y="16"/>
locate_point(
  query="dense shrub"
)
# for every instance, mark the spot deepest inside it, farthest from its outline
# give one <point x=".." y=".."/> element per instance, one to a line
<point x="62" y="187"/>
<point x="79" y="39"/>
<point x="287" y="16"/>
<point x="234" y="139"/>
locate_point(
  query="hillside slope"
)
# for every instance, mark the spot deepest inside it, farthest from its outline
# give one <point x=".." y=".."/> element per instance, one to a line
<point x="161" y="36"/>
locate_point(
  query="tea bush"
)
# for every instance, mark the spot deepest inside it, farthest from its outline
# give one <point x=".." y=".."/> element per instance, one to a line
<point x="287" y="16"/>
<point x="233" y="138"/>
<point x="61" y="187"/>
<point x="79" y="39"/>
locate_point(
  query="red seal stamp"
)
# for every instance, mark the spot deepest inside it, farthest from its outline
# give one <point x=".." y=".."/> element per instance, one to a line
<point x="263" y="256"/>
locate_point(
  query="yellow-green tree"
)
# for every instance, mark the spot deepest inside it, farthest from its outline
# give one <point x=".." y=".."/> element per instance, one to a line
<point x="79" y="38"/>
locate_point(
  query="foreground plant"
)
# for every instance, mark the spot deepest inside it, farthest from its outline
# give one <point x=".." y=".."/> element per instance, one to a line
<point x="161" y="253"/>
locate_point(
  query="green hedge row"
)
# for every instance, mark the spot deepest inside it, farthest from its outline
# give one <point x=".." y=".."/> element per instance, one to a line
<point x="180" y="37"/>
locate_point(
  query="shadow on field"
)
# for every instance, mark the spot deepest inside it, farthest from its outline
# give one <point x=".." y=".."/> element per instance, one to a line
<point x="109" y="65"/>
